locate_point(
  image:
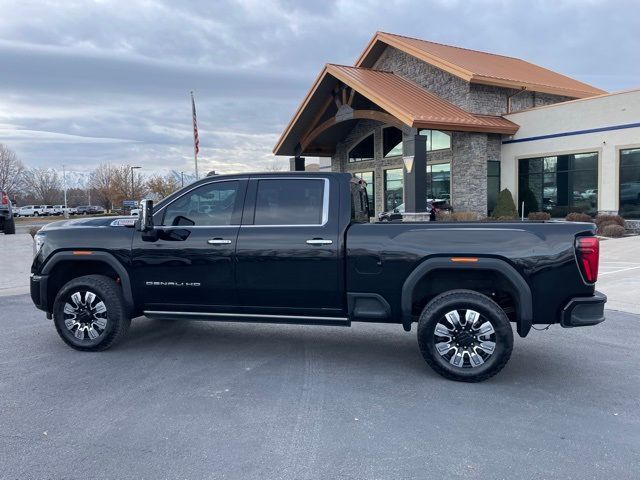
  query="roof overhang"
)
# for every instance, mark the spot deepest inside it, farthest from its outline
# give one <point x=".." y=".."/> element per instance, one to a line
<point x="402" y="101"/>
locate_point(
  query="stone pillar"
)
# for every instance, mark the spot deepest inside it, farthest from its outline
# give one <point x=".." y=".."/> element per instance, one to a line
<point x="469" y="172"/>
<point x="296" y="164"/>
<point x="414" y="156"/>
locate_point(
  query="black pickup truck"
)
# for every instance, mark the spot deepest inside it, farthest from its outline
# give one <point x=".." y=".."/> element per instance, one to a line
<point x="299" y="248"/>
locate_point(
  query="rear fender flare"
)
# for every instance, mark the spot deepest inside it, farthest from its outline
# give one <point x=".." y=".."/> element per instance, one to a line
<point x="521" y="288"/>
<point x="96" y="256"/>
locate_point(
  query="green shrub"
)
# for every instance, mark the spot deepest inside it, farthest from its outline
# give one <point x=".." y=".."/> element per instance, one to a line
<point x="613" y="230"/>
<point x="539" y="216"/>
<point x="530" y="202"/>
<point x="578" y="217"/>
<point x="505" y="207"/>
<point x="602" y="220"/>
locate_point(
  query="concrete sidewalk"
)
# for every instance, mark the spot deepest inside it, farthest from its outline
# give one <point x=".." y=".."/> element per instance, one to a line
<point x="619" y="276"/>
<point x="16" y="254"/>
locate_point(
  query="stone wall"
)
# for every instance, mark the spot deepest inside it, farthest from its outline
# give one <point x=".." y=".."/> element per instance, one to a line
<point x="490" y="100"/>
<point x="469" y="171"/>
<point x="448" y="87"/>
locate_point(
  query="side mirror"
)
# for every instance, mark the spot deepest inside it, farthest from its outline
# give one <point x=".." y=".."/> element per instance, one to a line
<point x="145" y="220"/>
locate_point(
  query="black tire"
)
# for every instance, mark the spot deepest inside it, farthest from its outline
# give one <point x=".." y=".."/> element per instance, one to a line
<point x="116" y="315"/>
<point x="435" y="313"/>
<point x="10" y="227"/>
<point x="36" y="214"/>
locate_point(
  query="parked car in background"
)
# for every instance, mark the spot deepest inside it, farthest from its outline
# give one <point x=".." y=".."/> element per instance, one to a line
<point x="134" y="212"/>
<point x="32" y="211"/>
<point x="7" y="224"/>
<point x="62" y="209"/>
<point x="89" y="210"/>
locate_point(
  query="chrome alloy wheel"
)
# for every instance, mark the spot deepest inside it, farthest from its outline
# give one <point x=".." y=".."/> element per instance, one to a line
<point x="465" y="338"/>
<point x="85" y="315"/>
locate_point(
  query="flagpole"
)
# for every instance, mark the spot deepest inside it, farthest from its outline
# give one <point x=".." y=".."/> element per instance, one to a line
<point x="196" y="141"/>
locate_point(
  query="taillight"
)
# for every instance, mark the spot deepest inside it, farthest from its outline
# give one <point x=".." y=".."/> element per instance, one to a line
<point x="588" y="254"/>
<point x="5" y="199"/>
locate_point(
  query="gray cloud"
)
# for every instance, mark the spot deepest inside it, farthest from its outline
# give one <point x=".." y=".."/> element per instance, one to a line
<point x="82" y="82"/>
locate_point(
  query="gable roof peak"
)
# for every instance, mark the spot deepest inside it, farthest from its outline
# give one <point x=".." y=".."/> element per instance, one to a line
<point x="475" y="66"/>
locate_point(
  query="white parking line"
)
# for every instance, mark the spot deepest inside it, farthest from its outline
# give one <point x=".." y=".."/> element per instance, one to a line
<point x="619" y="270"/>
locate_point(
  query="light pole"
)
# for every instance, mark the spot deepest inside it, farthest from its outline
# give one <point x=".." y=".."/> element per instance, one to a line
<point x="182" y="178"/>
<point x="65" y="210"/>
<point x="132" y="190"/>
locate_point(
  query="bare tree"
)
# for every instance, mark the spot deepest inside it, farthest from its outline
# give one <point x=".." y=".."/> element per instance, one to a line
<point x="160" y="187"/>
<point x="102" y="181"/>
<point x="44" y="184"/>
<point x="11" y="171"/>
<point x="128" y="184"/>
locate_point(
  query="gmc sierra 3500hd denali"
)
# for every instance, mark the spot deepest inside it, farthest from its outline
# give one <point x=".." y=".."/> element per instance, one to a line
<point x="299" y="248"/>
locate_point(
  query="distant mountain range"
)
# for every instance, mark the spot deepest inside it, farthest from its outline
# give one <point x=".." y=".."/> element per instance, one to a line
<point x="81" y="179"/>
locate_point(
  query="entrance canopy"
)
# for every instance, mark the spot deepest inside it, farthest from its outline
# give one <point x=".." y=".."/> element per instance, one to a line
<point x="342" y="95"/>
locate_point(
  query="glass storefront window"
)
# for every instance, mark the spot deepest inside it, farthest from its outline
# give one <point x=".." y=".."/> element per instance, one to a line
<point x="391" y="142"/>
<point x="630" y="183"/>
<point x="493" y="184"/>
<point x="369" y="178"/>
<point x="439" y="182"/>
<point x="393" y="188"/>
<point x="363" y="150"/>
<point x="436" y="140"/>
<point x="559" y="184"/>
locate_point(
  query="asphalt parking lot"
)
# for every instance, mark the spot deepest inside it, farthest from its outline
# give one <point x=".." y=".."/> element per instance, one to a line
<point x="240" y="401"/>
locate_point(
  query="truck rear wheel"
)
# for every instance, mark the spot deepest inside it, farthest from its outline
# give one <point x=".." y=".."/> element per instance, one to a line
<point x="10" y="227"/>
<point x="90" y="313"/>
<point x="465" y="336"/>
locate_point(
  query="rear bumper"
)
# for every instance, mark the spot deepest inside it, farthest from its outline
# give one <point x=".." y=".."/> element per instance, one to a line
<point x="38" y="286"/>
<point x="584" y="311"/>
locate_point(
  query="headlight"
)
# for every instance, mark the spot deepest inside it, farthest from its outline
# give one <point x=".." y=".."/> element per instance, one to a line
<point x="38" y="242"/>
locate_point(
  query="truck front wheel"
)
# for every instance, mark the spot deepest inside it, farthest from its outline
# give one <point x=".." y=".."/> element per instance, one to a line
<point x="90" y="314"/>
<point x="465" y="336"/>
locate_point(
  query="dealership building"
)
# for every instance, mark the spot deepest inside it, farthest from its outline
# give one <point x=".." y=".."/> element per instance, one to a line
<point x="422" y="121"/>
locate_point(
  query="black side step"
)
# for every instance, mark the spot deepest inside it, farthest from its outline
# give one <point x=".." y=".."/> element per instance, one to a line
<point x="249" y="318"/>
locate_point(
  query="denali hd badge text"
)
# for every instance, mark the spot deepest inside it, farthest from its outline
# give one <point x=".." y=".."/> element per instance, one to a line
<point x="172" y="284"/>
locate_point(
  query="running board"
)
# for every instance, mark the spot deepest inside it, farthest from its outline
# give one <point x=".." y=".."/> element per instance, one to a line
<point x="249" y="318"/>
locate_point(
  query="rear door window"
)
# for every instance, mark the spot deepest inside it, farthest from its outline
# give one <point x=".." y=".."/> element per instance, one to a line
<point x="290" y="202"/>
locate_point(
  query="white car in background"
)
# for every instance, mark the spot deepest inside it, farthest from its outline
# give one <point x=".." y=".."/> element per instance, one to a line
<point x="62" y="209"/>
<point x="135" y="212"/>
<point x="32" y="211"/>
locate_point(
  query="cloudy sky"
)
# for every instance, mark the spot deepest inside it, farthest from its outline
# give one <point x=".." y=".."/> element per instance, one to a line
<point x="83" y="82"/>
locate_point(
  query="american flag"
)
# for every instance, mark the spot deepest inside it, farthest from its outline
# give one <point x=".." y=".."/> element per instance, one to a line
<point x="196" y="139"/>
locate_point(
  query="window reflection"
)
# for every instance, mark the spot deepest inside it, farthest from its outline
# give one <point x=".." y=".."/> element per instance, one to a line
<point x="363" y="150"/>
<point x="369" y="177"/>
<point x="393" y="188"/>
<point x="630" y="183"/>
<point x="559" y="184"/>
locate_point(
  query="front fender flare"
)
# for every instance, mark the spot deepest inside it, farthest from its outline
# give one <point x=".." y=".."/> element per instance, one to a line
<point x="96" y="256"/>
<point x="521" y="288"/>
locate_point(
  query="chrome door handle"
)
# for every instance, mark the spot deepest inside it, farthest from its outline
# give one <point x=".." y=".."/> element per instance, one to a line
<point x="218" y="241"/>
<point x="319" y="241"/>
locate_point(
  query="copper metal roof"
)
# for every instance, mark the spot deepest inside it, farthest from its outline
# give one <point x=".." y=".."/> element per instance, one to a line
<point x="479" y="67"/>
<point x="411" y="104"/>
